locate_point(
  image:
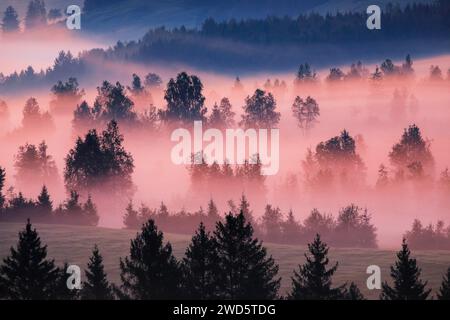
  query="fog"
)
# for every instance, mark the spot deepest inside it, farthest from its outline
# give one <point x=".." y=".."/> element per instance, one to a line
<point x="361" y="107"/>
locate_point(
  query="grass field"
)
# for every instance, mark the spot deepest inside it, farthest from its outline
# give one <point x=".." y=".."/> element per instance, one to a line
<point x="73" y="244"/>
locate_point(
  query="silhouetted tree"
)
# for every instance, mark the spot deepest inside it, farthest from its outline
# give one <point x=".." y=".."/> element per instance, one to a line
<point x="313" y="281"/>
<point x="259" y="111"/>
<point x="306" y="112"/>
<point x="221" y="115"/>
<point x="152" y="80"/>
<point x="10" y="21"/>
<point x="2" y="185"/>
<point x="36" y="14"/>
<point x="352" y="293"/>
<point x="200" y="266"/>
<point x="246" y="272"/>
<point x="151" y="271"/>
<point x="305" y="75"/>
<point x="444" y="290"/>
<point x="44" y="203"/>
<point x="131" y="219"/>
<point x="26" y="274"/>
<point x="66" y="95"/>
<point x="407" y="284"/>
<point x="96" y="286"/>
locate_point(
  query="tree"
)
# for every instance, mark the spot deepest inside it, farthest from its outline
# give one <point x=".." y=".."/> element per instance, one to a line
<point x="412" y="149"/>
<point x="112" y="104"/>
<point x="407" y="67"/>
<point x="152" y="80"/>
<point x="66" y="95"/>
<point x="33" y="118"/>
<point x="407" y="284"/>
<point x="96" y="286"/>
<point x="259" y="111"/>
<point x="10" y="22"/>
<point x="444" y="290"/>
<point x="313" y="281"/>
<point x="305" y="75"/>
<point x="383" y="177"/>
<point x="246" y="272"/>
<point x="185" y="101"/>
<point x="90" y="212"/>
<point x="271" y="224"/>
<point x="44" y="203"/>
<point x="151" y="271"/>
<point x="131" y="219"/>
<point x="100" y="161"/>
<point x="306" y="112"/>
<point x="200" y="266"/>
<point x="2" y="184"/>
<point x="26" y="274"/>
<point x="33" y="163"/>
<point x="221" y="115"/>
<point x="336" y="75"/>
<point x="352" y="293"/>
<point x="36" y="14"/>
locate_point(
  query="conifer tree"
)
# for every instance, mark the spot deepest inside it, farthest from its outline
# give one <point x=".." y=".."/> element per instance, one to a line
<point x="200" y="266"/>
<point x="246" y="271"/>
<point x="60" y="289"/>
<point x="313" y="281"/>
<point x="96" y="286"/>
<point x="352" y="293"/>
<point x="407" y="284"/>
<point x="150" y="271"/>
<point x="90" y="212"/>
<point x="26" y="274"/>
<point x="44" y="202"/>
<point x="10" y="21"/>
<point x="131" y="218"/>
<point x="444" y="290"/>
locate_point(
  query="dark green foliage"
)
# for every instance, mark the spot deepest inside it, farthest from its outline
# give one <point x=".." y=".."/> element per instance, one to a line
<point x="407" y="284"/>
<point x="185" y="100"/>
<point x="10" y="22"/>
<point x="444" y="290"/>
<point x="26" y="273"/>
<point x="313" y="281"/>
<point x="200" y="267"/>
<point x="150" y="271"/>
<point x="259" y="111"/>
<point x="246" y="272"/>
<point x="100" y="161"/>
<point x="96" y="286"/>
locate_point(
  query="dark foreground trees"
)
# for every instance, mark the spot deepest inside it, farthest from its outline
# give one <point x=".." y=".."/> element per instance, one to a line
<point x="96" y="286"/>
<point x="27" y="274"/>
<point x="313" y="279"/>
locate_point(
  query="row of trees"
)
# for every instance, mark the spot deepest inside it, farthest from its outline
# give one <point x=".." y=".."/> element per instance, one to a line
<point x="429" y="237"/>
<point x="17" y="208"/>
<point x="230" y="263"/>
<point x="351" y="228"/>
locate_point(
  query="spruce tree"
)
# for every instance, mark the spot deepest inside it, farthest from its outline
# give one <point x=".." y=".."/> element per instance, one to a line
<point x="444" y="290"/>
<point x="44" y="203"/>
<point x="10" y="22"/>
<point x="26" y="274"/>
<point x="352" y="293"/>
<point x="96" y="287"/>
<point x="151" y="271"/>
<point x="407" y="284"/>
<point x="200" y="266"/>
<point x="246" y="271"/>
<point x="131" y="217"/>
<point x="313" y="281"/>
<point x="60" y="289"/>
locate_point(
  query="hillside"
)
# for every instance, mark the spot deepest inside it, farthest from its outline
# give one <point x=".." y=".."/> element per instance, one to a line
<point x="73" y="244"/>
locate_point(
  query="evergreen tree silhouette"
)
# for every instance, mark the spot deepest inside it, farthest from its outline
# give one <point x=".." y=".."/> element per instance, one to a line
<point x="131" y="217"/>
<point x="407" y="284"/>
<point x="60" y="289"/>
<point x="200" y="266"/>
<point x="444" y="290"/>
<point x="151" y="271"/>
<point x="245" y="270"/>
<point x="96" y="287"/>
<point x="313" y="280"/>
<point x="10" y="21"/>
<point x="26" y="274"/>
<point x="352" y="293"/>
<point x="44" y="203"/>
